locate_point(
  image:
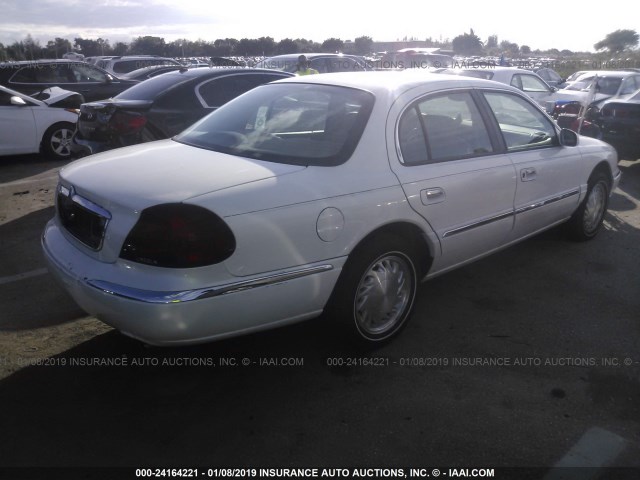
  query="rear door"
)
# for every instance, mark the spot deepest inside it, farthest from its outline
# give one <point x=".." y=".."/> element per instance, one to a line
<point x="453" y="174"/>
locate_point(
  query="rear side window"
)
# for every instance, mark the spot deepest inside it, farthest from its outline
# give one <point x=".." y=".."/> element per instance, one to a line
<point x="441" y="128"/>
<point x="218" y="91"/>
<point x="151" y="88"/>
<point x="126" y="66"/>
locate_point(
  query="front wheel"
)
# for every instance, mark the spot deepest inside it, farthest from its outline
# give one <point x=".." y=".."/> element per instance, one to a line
<point x="375" y="293"/>
<point x="587" y="219"/>
<point x="56" y="141"/>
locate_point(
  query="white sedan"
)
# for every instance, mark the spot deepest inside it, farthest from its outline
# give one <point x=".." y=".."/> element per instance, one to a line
<point x="333" y="193"/>
<point x="529" y="82"/>
<point x="28" y="125"/>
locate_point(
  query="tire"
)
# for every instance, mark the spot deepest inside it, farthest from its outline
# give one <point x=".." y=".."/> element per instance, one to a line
<point x="56" y="141"/>
<point x="374" y="296"/>
<point x="586" y="222"/>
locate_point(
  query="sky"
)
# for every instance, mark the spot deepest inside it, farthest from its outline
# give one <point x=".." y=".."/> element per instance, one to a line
<point x="544" y="25"/>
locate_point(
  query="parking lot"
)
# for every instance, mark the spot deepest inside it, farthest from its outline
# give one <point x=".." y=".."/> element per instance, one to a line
<point x="523" y="359"/>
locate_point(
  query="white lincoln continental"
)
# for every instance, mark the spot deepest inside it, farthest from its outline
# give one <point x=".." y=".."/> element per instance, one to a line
<point x="330" y="194"/>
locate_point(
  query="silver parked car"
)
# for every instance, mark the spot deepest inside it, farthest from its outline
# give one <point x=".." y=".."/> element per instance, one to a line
<point x="333" y="193"/>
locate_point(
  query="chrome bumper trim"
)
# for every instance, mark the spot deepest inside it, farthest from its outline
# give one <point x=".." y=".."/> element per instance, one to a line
<point x="148" y="296"/>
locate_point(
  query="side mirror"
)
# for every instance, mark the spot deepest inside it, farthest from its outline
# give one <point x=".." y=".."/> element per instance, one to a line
<point x="18" y="101"/>
<point x="568" y="138"/>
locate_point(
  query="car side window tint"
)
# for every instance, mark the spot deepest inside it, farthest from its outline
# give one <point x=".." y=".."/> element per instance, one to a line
<point x="454" y="127"/>
<point x="523" y="126"/>
<point x="630" y="85"/>
<point x="319" y="64"/>
<point x="413" y="146"/>
<point x="25" y="75"/>
<point x="86" y="73"/>
<point x="56" y="74"/>
<point x="532" y="84"/>
<point x="220" y="90"/>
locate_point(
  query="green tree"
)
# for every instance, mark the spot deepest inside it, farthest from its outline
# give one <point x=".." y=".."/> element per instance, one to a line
<point x="525" y="49"/>
<point x="509" y="47"/>
<point x="148" y="45"/>
<point x="492" y="41"/>
<point x="56" y="48"/>
<point x="363" y="45"/>
<point x="286" y="45"/>
<point x="266" y="46"/>
<point x="92" y="48"/>
<point x="332" y="45"/>
<point x="618" y="41"/>
<point x="467" y="44"/>
<point x="120" y="48"/>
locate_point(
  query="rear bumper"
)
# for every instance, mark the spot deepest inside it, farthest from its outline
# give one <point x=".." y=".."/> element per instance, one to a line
<point x="202" y="314"/>
<point x="81" y="147"/>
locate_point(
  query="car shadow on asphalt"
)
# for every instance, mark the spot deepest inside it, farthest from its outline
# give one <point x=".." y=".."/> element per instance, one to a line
<point x="18" y="167"/>
<point x="282" y="398"/>
<point x="30" y="296"/>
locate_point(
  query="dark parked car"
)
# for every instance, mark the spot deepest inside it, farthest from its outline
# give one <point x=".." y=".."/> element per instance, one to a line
<point x="129" y="63"/>
<point x="322" y="62"/>
<point x="93" y="83"/>
<point x="145" y="73"/>
<point x="162" y="106"/>
<point x="619" y="122"/>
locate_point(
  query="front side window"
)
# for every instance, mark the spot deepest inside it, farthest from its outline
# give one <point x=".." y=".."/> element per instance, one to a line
<point x="523" y="126"/>
<point x="529" y="83"/>
<point x="443" y="127"/>
<point x="630" y="85"/>
<point x="287" y="123"/>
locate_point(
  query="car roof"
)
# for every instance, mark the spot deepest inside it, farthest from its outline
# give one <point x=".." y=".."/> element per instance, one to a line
<point x="21" y="63"/>
<point x="607" y="73"/>
<point x="213" y="71"/>
<point x="311" y="55"/>
<point x="396" y="81"/>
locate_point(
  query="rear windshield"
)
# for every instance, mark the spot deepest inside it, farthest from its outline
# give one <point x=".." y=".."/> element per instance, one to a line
<point x="126" y="66"/>
<point x="300" y="124"/>
<point x="476" y="73"/>
<point x="151" y="88"/>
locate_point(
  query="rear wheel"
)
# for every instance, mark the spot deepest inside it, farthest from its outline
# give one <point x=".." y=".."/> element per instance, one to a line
<point x="375" y="293"/>
<point x="587" y="220"/>
<point x="56" y="141"/>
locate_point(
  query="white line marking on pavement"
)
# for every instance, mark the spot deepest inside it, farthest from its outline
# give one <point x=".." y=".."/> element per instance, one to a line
<point x="596" y="449"/>
<point x="22" y="276"/>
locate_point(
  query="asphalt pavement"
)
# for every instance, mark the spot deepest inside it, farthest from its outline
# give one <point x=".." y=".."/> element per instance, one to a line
<point x="528" y="358"/>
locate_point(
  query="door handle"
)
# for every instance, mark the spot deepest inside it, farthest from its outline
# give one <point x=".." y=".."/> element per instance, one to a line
<point x="528" y="174"/>
<point x="432" y="195"/>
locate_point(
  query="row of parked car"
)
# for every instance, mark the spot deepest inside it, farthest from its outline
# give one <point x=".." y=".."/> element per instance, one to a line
<point x="137" y="99"/>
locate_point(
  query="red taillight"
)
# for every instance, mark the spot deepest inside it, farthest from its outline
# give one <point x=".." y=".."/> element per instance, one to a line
<point x="179" y="236"/>
<point x="127" y="123"/>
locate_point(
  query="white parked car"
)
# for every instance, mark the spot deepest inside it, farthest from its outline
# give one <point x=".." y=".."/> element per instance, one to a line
<point x="28" y="125"/>
<point x="333" y="193"/>
<point x="529" y="82"/>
